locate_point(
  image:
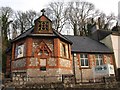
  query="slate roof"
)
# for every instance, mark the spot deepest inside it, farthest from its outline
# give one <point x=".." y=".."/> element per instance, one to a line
<point x="29" y="33"/>
<point x="100" y="34"/>
<point x="84" y="44"/>
<point x="24" y="34"/>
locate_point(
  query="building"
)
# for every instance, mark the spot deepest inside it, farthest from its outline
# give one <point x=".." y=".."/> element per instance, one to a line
<point x="41" y="54"/>
<point x="119" y="13"/>
<point x="88" y="55"/>
<point x="113" y="42"/>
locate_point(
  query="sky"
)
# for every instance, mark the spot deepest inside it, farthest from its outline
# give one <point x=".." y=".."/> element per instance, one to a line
<point x="107" y="6"/>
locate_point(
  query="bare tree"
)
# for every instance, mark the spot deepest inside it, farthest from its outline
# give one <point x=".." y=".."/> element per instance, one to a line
<point x="21" y="21"/>
<point x="105" y="21"/>
<point x="24" y="20"/>
<point x="57" y="12"/>
<point x="78" y="13"/>
<point x="31" y="16"/>
<point x="6" y="14"/>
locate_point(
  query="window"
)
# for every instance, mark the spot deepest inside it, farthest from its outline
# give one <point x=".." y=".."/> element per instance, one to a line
<point x="19" y="51"/>
<point x="99" y="59"/>
<point x="63" y="50"/>
<point x="43" y="25"/>
<point x="84" y="60"/>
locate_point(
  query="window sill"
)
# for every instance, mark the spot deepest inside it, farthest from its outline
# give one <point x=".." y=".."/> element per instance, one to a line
<point x="84" y="67"/>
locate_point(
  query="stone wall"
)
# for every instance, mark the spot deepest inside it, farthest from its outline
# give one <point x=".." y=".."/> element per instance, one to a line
<point x="48" y="76"/>
<point x="19" y="77"/>
<point x="19" y="63"/>
<point x="65" y="62"/>
<point x="37" y="76"/>
<point x="37" y="62"/>
<point x="52" y="62"/>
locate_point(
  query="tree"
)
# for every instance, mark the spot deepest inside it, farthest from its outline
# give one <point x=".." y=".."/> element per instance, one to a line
<point x="6" y="14"/>
<point x="24" y="20"/>
<point x="21" y="21"/>
<point x="31" y="16"/>
<point x="105" y="21"/>
<point x="78" y="13"/>
<point x="116" y="28"/>
<point x="57" y="12"/>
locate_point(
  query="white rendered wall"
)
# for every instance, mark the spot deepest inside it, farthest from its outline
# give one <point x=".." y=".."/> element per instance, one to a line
<point x="113" y="42"/>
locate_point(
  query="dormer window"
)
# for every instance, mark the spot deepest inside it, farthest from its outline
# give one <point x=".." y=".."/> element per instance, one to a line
<point x="43" y="25"/>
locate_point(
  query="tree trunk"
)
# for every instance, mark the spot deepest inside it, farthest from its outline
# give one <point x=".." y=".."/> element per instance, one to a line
<point x="75" y="30"/>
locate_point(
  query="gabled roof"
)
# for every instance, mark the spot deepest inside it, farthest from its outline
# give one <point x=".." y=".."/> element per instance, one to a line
<point x="44" y="16"/>
<point x="29" y="33"/>
<point x="84" y="44"/>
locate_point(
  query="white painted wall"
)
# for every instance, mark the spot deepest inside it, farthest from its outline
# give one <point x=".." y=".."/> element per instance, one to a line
<point x="113" y="42"/>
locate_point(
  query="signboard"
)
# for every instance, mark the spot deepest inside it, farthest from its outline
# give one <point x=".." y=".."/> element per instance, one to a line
<point x="103" y="70"/>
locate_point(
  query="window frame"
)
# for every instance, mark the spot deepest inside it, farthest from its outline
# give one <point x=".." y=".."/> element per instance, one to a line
<point x="64" y="50"/>
<point x="99" y="58"/>
<point x="45" y="26"/>
<point x="84" y="58"/>
<point x="19" y="47"/>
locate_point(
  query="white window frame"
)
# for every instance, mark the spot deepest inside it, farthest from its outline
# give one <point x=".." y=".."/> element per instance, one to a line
<point x="84" y="59"/>
<point x="99" y="58"/>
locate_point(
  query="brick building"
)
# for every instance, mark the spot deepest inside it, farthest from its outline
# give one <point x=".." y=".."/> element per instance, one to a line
<point x="43" y="52"/>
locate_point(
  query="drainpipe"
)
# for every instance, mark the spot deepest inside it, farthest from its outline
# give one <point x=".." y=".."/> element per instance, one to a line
<point x="74" y="68"/>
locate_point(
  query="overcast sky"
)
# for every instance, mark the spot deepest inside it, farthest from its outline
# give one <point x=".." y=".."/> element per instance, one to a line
<point x="107" y="6"/>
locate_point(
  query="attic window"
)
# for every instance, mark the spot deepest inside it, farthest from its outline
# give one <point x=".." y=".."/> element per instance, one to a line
<point x="43" y="25"/>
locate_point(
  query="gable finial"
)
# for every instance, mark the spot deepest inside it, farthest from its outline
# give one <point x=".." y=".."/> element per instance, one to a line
<point x="43" y="11"/>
